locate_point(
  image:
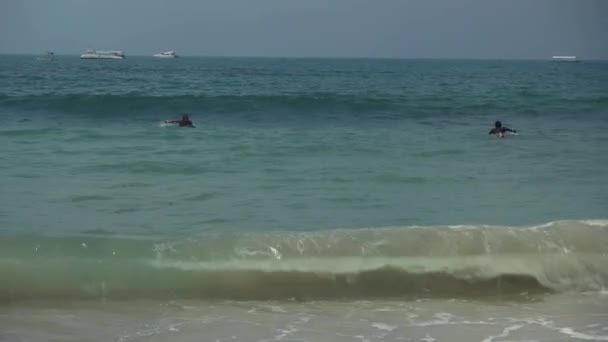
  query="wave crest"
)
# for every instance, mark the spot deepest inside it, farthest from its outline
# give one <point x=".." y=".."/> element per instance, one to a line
<point x="470" y="261"/>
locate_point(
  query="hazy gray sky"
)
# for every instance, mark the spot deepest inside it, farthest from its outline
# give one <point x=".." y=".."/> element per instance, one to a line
<point x="332" y="28"/>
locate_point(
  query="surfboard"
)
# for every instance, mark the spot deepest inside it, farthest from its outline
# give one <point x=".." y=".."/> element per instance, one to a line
<point x="504" y="135"/>
<point x="168" y="123"/>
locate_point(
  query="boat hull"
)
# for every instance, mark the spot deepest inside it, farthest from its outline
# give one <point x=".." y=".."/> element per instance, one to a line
<point x="97" y="56"/>
<point x="565" y="59"/>
<point x="160" y="55"/>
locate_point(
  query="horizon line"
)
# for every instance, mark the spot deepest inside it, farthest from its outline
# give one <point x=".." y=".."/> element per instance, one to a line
<point x="321" y="57"/>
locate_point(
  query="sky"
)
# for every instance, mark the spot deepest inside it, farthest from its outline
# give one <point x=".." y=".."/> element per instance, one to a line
<point x="310" y="28"/>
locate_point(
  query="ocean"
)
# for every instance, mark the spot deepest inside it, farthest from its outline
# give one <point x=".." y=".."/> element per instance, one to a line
<point x="316" y="200"/>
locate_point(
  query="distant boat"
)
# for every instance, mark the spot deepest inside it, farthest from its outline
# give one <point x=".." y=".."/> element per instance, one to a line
<point x="570" y="59"/>
<point x="47" y="55"/>
<point x="94" y="54"/>
<point x="166" y="54"/>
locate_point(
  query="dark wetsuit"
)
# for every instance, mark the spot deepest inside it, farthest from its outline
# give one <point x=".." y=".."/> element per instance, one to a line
<point x="184" y="123"/>
<point x="498" y="130"/>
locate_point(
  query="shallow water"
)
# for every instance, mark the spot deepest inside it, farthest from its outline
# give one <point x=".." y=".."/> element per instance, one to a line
<point x="557" y="318"/>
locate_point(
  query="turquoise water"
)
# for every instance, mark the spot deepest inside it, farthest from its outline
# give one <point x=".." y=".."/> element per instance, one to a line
<point x="298" y="144"/>
<point x="317" y="200"/>
<point x="292" y="159"/>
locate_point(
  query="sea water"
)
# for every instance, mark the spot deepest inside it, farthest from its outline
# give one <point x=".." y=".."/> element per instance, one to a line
<point x="316" y="200"/>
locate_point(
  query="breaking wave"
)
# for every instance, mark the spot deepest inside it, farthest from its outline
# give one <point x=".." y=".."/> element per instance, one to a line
<point x="447" y="261"/>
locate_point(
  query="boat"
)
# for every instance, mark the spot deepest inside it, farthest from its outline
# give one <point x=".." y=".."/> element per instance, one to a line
<point x="49" y="55"/>
<point x="94" y="54"/>
<point x="569" y="59"/>
<point x="166" y="54"/>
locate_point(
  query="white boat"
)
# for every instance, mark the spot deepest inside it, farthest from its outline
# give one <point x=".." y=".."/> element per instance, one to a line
<point x="564" y="59"/>
<point x="94" y="54"/>
<point x="166" y="54"/>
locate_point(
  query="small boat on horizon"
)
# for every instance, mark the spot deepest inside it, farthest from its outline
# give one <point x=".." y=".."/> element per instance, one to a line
<point x="166" y="54"/>
<point x="94" y="54"/>
<point x="570" y="59"/>
<point x="47" y="56"/>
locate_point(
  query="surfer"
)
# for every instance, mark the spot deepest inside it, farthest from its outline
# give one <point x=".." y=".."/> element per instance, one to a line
<point x="184" y="122"/>
<point x="499" y="130"/>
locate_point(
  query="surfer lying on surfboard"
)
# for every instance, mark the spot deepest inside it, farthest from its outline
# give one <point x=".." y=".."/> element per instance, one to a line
<point x="499" y="130"/>
<point x="184" y="122"/>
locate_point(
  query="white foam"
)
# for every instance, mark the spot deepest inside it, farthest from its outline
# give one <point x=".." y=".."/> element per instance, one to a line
<point x="544" y="225"/>
<point x="253" y="253"/>
<point x="285" y="332"/>
<point x="599" y="223"/>
<point x="300" y="246"/>
<point x="581" y="336"/>
<point x="276" y="308"/>
<point x="506" y="332"/>
<point x="443" y="318"/>
<point x="565" y="330"/>
<point x="140" y="334"/>
<point x="161" y="248"/>
<point x="305" y="319"/>
<point x="275" y="253"/>
<point x="467" y="227"/>
<point x="383" y="326"/>
<point x="428" y="338"/>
